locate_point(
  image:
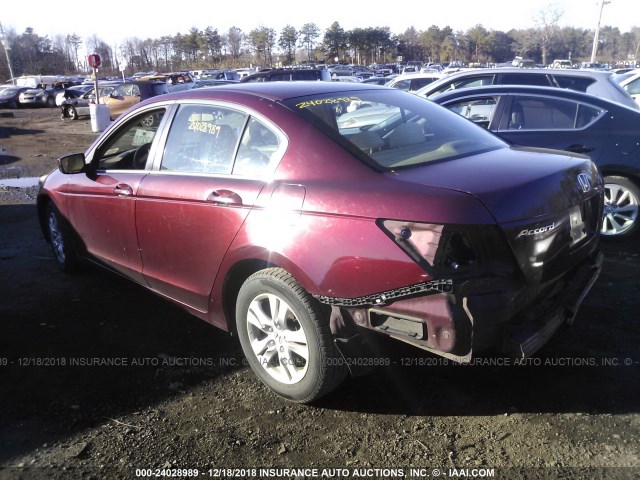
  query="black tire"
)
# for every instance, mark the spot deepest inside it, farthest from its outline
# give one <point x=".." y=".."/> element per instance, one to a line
<point x="303" y="331"/>
<point x="60" y="238"/>
<point x="51" y="102"/>
<point x="148" y="121"/>
<point x="72" y="113"/>
<point x="621" y="206"/>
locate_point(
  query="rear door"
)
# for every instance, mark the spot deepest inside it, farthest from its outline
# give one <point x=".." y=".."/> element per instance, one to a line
<point x="192" y="205"/>
<point x="550" y="122"/>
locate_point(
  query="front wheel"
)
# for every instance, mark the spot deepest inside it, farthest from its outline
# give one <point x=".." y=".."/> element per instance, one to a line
<point x="72" y="113"/>
<point x="621" y="200"/>
<point x="61" y="241"/>
<point x="286" y="338"/>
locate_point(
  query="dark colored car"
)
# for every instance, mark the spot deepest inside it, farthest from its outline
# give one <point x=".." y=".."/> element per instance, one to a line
<point x="10" y="96"/>
<point x="249" y="207"/>
<point x="288" y="75"/>
<point x="599" y="83"/>
<point x="608" y="132"/>
<point x="44" y="94"/>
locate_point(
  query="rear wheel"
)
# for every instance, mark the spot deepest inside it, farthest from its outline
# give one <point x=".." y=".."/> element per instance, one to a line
<point x="621" y="205"/>
<point x="61" y="241"/>
<point x="51" y="102"/>
<point x="286" y="338"/>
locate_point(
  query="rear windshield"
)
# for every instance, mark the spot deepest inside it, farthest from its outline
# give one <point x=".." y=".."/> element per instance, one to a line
<point x="394" y="129"/>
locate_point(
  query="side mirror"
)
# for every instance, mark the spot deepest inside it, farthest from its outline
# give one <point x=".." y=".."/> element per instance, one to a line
<point x="74" y="163"/>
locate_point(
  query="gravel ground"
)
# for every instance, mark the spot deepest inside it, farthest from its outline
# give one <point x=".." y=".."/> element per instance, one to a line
<point x="101" y="379"/>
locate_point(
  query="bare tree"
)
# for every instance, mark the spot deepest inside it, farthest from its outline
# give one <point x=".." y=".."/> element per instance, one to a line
<point x="546" y="27"/>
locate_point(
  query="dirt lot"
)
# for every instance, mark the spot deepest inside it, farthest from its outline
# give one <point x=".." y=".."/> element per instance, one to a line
<point x="99" y="378"/>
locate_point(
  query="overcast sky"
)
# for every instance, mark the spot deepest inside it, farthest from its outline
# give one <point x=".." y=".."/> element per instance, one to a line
<point x="117" y="20"/>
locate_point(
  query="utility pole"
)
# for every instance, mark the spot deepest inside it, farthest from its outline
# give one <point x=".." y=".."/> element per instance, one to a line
<point x="6" y="46"/>
<point x="595" y="37"/>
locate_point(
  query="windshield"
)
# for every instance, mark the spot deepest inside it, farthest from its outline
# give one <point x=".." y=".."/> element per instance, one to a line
<point x="395" y="129"/>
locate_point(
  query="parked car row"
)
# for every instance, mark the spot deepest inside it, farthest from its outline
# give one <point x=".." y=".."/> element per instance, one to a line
<point x="118" y="96"/>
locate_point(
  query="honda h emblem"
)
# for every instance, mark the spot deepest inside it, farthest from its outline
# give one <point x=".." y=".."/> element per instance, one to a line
<point x="583" y="180"/>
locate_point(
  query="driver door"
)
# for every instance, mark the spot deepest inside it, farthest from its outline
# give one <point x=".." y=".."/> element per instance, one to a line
<point x="102" y="203"/>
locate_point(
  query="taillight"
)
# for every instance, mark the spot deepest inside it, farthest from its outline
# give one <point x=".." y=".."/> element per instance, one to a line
<point x="432" y="246"/>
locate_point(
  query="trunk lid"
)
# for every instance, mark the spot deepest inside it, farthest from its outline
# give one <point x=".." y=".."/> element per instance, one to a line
<point x="548" y="203"/>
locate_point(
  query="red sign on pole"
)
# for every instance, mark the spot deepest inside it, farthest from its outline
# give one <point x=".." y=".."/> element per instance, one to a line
<point x="94" y="60"/>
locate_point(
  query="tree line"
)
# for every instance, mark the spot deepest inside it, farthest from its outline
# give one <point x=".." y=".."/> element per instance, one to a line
<point x="545" y="41"/>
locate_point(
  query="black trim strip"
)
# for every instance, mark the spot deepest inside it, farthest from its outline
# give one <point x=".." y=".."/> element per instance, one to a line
<point x="434" y="286"/>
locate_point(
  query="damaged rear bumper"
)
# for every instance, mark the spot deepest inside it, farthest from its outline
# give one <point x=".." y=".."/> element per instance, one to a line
<point x="477" y="316"/>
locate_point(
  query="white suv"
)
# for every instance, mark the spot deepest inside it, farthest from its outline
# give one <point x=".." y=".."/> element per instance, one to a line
<point x="595" y="82"/>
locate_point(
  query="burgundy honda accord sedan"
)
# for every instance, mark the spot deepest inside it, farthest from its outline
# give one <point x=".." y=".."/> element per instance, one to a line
<point x="257" y="209"/>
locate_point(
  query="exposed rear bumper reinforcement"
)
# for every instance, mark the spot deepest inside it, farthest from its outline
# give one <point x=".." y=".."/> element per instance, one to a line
<point x="434" y="286"/>
<point x="526" y="341"/>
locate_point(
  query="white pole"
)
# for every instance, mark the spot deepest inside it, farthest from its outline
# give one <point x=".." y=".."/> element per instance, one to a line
<point x="594" y="49"/>
<point x="5" y="44"/>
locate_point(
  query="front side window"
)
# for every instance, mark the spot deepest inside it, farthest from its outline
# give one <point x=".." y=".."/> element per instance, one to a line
<point x="392" y="129"/>
<point x="402" y="85"/>
<point x="128" y="148"/>
<point x="524" y="79"/>
<point x="478" y="110"/>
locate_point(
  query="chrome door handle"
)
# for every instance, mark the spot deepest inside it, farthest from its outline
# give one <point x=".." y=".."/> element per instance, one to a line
<point x="123" y="190"/>
<point x="224" y="197"/>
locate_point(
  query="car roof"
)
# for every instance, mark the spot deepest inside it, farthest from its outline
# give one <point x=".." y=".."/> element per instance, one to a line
<point x="528" y="89"/>
<point x="273" y="90"/>
<point x="524" y="71"/>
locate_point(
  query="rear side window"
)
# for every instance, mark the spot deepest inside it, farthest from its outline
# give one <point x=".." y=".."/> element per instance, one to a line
<point x="574" y="83"/>
<point x="524" y="79"/>
<point x="540" y="113"/>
